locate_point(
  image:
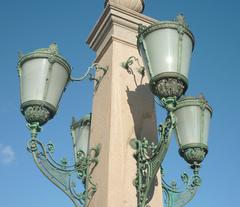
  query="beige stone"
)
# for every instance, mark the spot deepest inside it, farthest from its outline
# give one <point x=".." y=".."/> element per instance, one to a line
<point x="123" y="108"/>
<point x="136" y="5"/>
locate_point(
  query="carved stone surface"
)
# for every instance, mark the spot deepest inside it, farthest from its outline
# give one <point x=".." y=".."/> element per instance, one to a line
<point x="168" y="87"/>
<point x="37" y="114"/>
<point x="193" y="155"/>
<point x="136" y="5"/>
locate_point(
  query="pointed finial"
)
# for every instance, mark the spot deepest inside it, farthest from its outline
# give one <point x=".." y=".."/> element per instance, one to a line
<point x="20" y="55"/>
<point x="181" y="19"/>
<point x="53" y="48"/>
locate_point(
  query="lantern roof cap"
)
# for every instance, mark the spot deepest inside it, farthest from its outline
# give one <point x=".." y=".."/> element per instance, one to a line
<point x="52" y="53"/>
<point x="82" y="122"/>
<point x="194" y="101"/>
<point x="178" y="24"/>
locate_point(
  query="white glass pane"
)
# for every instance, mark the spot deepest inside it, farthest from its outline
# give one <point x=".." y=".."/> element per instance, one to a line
<point x="162" y="48"/>
<point x="58" y="78"/>
<point x="207" y="119"/>
<point x="33" y="79"/>
<point x="187" y="47"/>
<point x="41" y="82"/>
<point x="81" y="139"/>
<point x="192" y="125"/>
<point x="188" y="125"/>
<point x="165" y="52"/>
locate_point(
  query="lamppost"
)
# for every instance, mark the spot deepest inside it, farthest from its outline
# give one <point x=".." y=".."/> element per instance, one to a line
<point x="165" y="48"/>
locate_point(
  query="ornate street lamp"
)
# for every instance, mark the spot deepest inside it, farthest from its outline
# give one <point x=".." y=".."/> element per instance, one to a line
<point x="193" y="118"/>
<point x="44" y="75"/>
<point x="166" y="49"/>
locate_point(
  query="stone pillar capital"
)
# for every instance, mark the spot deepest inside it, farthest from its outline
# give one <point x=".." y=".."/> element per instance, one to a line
<point x="135" y="5"/>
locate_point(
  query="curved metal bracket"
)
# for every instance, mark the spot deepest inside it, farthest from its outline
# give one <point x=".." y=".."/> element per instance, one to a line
<point x="62" y="175"/>
<point x="177" y="198"/>
<point x="149" y="159"/>
<point x="126" y="65"/>
<point x="90" y="74"/>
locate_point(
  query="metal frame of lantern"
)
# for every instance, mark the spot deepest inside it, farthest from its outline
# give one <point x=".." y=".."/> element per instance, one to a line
<point x="39" y="104"/>
<point x="169" y="85"/>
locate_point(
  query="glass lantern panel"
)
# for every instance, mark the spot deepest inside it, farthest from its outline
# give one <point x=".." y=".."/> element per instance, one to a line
<point x="163" y="51"/>
<point x="33" y="79"/>
<point x="81" y="139"/>
<point x="161" y="46"/>
<point x="206" y="125"/>
<point x="58" y="78"/>
<point x="186" y="54"/>
<point x="188" y="125"/>
<point x="41" y="82"/>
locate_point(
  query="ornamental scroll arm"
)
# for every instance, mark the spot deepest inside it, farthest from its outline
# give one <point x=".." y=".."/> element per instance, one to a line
<point x="149" y="157"/>
<point x="129" y="62"/>
<point x="90" y="74"/>
<point x="175" y="197"/>
<point x="62" y="175"/>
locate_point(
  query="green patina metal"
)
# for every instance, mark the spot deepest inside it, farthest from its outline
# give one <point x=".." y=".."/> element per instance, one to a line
<point x="193" y="101"/>
<point x="61" y="174"/>
<point x="90" y="74"/>
<point x="126" y="65"/>
<point x="149" y="157"/>
<point x="178" y="24"/>
<point x="51" y="53"/>
<point x="168" y="85"/>
<point x="174" y="197"/>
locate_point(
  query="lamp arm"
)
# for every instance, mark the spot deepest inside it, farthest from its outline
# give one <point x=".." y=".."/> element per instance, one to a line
<point x="162" y="147"/>
<point x="149" y="159"/>
<point x="179" y="198"/>
<point x="89" y="74"/>
<point x="60" y="174"/>
<point x="127" y="65"/>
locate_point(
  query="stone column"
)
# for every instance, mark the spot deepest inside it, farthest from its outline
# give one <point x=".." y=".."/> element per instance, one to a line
<point x="123" y="106"/>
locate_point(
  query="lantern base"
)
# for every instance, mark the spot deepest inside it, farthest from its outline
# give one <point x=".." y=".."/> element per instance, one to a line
<point x="168" y="85"/>
<point x="37" y="112"/>
<point x="194" y="154"/>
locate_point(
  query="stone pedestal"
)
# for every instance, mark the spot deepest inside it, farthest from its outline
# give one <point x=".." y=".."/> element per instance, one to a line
<point x="123" y="108"/>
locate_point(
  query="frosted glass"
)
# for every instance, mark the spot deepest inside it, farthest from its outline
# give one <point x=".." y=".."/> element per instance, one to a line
<point x="192" y="125"/>
<point x="207" y="120"/>
<point x="39" y="82"/>
<point x="188" y="125"/>
<point x="33" y="79"/>
<point x="58" y="80"/>
<point x="187" y="47"/>
<point x="162" y="48"/>
<point x="81" y="139"/>
<point x="162" y="51"/>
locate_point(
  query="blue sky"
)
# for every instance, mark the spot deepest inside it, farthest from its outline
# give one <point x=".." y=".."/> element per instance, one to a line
<point x="215" y="70"/>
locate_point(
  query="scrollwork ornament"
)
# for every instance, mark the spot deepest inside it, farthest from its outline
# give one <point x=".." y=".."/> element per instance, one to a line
<point x="174" y="197"/>
<point x="59" y="173"/>
<point x="149" y="157"/>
